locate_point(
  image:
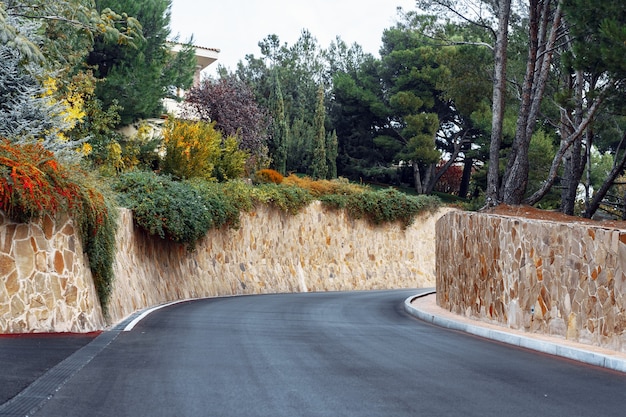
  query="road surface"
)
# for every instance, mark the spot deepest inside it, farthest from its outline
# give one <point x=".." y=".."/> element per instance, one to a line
<point x="323" y="354"/>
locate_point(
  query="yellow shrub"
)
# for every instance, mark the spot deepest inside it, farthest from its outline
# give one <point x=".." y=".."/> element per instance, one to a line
<point x="195" y="149"/>
<point x="190" y="149"/>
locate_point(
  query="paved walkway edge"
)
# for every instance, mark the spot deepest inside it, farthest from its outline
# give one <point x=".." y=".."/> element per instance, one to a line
<point x="577" y="354"/>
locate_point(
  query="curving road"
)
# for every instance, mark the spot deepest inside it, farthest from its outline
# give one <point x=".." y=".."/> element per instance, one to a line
<point x="323" y="354"/>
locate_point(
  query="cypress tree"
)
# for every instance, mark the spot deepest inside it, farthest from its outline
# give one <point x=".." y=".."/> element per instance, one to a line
<point x="280" y="130"/>
<point x="319" y="167"/>
<point x="331" y="154"/>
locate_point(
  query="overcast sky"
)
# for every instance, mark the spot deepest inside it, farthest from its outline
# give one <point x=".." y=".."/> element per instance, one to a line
<point x="235" y="27"/>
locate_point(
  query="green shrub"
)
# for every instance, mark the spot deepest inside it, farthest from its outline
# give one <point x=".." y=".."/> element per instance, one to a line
<point x="382" y="206"/>
<point x="240" y="194"/>
<point x="231" y="163"/>
<point x="223" y="210"/>
<point x="164" y="207"/>
<point x="289" y="199"/>
<point x="182" y="211"/>
<point x="97" y="223"/>
<point x="245" y="197"/>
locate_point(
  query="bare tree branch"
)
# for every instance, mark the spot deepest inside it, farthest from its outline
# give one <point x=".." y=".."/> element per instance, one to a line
<point x="601" y="193"/>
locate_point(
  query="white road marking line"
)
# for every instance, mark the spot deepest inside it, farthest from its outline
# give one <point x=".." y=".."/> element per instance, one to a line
<point x="140" y="317"/>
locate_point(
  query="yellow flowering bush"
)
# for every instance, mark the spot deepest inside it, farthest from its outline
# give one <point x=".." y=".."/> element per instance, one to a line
<point x="71" y="102"/>
<point x="195" y="149"/>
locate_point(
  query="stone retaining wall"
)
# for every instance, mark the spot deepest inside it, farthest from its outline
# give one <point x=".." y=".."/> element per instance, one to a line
<point x="46" y="285"/>
<point x="558" y="278"/>
<point x="315" y="250"/>
<point x="45" y="281"/>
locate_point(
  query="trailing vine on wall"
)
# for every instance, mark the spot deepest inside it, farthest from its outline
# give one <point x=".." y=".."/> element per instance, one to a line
<point x="33" y="184"/>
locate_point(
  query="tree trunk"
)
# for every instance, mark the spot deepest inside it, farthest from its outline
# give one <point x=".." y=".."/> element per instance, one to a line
<point x="436" y="175"/>
<point x="539" y="62"/>
<point x="430" y="179"/>
<point x="571" y="164"/>
<point x="465" y="179"/>
<point x="624" y="206"/>
<point x="516" y="173"/>
<point x="417" y="178"/>
<point x="499" y="95"/>
<point x="565" y="144"/>
<point x="573" y="161"/>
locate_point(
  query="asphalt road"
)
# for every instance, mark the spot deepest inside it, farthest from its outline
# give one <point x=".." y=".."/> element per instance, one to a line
<point x="323" y="354"/>
<point x="26" y="357"/>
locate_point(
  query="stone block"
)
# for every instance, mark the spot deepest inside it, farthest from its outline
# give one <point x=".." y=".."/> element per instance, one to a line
<point x="48" y="227"/>
<point x="24" y="257"/>
<point x="7" y="264"/>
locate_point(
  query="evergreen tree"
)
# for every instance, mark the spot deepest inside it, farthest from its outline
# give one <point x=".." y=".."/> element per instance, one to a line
<point x="28" y="113"/>
<point x="66" y="29"/>
<point x="280" y="129"/>
<point x="299" y="151"/>
<point x="319" y="168"/>
<point x="139" y="78"/>
<point x="357" y="108"/>
<point x="298" y="68"/>
<point x="25" y="114"/>
<point x="331" y="154"/>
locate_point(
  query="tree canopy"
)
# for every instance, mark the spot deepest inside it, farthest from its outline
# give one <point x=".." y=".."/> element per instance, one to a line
<point x="139" y="78"/>
<point x="516" y="102"/>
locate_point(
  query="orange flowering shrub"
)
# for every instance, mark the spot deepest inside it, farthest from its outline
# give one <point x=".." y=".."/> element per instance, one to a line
<point x="33" y="184"/>
<point x="320" y="188"/>
<point x="267" y="176"/>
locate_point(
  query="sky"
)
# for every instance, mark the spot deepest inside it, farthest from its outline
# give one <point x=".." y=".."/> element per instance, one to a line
<point x="235" y="27"/>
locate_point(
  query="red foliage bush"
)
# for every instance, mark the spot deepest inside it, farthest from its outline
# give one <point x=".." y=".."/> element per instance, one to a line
<point x="450" y="181"/>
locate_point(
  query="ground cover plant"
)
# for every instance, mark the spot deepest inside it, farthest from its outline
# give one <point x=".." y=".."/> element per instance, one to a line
<point x="184" y="211"/>
<point x="176" y="210"/>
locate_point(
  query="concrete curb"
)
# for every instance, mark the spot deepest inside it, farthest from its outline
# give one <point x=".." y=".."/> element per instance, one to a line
<point x="577" y="354"/>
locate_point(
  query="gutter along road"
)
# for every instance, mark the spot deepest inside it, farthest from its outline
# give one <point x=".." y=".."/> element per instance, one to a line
<point x="319" y="354"/>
